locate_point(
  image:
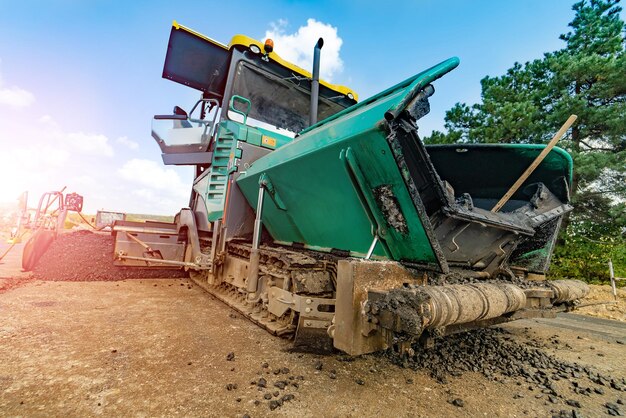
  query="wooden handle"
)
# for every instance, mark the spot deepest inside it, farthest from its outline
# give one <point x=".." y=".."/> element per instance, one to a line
<point x="568" y="123"/>
<point x="138" y="241"/>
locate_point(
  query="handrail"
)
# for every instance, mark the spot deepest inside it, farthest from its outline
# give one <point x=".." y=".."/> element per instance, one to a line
<point x="360" y="187"/>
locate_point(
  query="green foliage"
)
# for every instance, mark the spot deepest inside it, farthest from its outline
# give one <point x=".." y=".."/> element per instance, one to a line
<point x="531" y="101"/>
<point x="596" y="27"/>
<point x="581" y="258"/>
<point x="589" y="243"/>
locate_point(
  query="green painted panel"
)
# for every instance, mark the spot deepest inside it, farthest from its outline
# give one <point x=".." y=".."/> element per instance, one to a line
<point x="323" y="209"/>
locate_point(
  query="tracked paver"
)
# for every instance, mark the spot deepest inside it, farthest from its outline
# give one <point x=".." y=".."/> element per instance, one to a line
<point x="347" y="231"/>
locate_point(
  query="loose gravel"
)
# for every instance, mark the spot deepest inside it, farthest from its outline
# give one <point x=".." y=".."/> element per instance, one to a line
<point x="88" y="256"/>
<point x="498" y="357"/>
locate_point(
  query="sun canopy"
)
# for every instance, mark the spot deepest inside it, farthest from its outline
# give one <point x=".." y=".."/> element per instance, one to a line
<point x="202" y="63"/>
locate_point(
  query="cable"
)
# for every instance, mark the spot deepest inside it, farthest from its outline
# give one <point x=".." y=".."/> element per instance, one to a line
<point x="602" y="242"/>
<point x="89" y="223"/>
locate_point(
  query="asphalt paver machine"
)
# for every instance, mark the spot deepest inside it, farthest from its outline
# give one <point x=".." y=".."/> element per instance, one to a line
<point x="328" y="220"/>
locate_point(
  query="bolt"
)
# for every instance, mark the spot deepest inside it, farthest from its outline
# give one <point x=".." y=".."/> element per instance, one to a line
<point x="307" y="323"/>
<point x="309" y="301"/>
<point x="307" y="310"/>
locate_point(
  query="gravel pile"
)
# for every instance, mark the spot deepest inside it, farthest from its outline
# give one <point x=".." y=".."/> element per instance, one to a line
<point x="88" y="256"/>
<point x="494" y="354"/>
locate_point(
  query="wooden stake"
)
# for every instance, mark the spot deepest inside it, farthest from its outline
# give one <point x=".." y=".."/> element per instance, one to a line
<point x="535" y="163"/>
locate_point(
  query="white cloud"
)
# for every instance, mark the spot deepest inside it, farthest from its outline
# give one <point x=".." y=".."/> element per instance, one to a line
<point x="127" y="142"/>
<point x="152" y="175"/>
<point x="36" y="168"/>
<point x="90" y="144"/>
<point x="154" y="188"/>
<point x="48" y="121"/>
<point x="39" y="154"/>
<point x="78" y="142"/>
<point x="43" y="156"/>
<point x="14" y="96"/>
<point x="298" y="47"/>
<point x="86" y="181"/>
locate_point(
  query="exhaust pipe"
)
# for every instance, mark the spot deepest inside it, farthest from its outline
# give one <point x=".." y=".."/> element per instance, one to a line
<point x="315" y="82"/>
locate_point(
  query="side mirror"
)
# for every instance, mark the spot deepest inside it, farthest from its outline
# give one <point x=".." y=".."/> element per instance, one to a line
<point x="180" y="111"/>
<point x="179" y="114"/>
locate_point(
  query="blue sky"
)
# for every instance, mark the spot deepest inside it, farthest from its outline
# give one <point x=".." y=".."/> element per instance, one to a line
<point x="85" y="76"/>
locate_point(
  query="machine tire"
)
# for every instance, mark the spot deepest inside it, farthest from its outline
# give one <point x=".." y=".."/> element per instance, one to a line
<point x="34" y="248"/>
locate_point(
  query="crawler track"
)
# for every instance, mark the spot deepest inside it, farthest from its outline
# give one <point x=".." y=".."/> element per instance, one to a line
<point x="303" y="273"/>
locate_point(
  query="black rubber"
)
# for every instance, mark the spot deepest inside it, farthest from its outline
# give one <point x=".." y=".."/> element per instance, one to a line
<point x="34" y="248"/>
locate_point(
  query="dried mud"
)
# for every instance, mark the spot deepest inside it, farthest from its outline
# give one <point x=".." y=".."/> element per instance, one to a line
<point x="615" y="310"/>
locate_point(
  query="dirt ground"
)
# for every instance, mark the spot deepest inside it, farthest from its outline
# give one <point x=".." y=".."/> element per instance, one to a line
<point x="161" y="348"/>
<point x="86" y="342"/>
<point x="603" y="293"/>
<point x="11" y="274"/>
